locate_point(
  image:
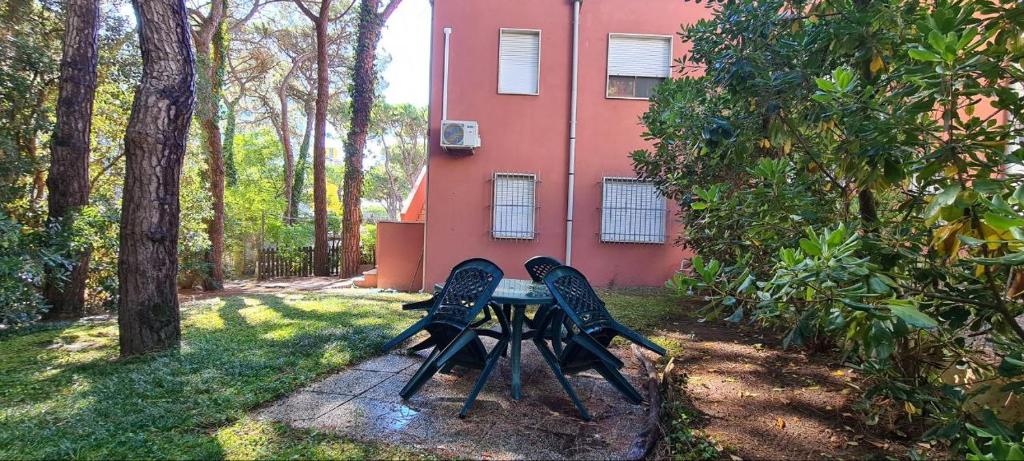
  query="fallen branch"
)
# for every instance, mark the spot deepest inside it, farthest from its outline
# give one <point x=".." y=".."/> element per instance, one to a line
<point x="647" y="439"/>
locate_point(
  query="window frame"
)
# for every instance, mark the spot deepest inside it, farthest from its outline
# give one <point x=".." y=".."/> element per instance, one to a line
<point x="663" y="235"/>
<point x="608" y="58"/>
<point x="540" y="49"/>
<point x="494" y="207"/>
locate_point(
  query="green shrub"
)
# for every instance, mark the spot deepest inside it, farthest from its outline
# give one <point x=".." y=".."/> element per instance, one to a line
<point x="842" y="168"/>
<point x="368" y="244"/>
<point x="25" y="256"/>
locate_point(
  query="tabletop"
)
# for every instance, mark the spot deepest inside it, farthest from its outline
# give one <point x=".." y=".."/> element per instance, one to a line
<point x="517" y="291"/>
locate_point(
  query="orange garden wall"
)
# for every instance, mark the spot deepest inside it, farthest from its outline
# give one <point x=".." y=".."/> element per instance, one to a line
<point x="400" y="255"/>
<point x="529" y="134"/>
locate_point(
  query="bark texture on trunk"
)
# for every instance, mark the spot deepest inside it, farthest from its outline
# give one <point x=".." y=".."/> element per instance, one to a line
<point x="210" y="42"/>
<point x="302" y="164"/>
<point x="68" y="180"/>
<point x="320" y="264"/>
<point x="284" y="133"/>
<point x="868" y="209"/>
<point x="148" y="313"/>
<point x="364" y="80"/>
<point x="230" y="171"/>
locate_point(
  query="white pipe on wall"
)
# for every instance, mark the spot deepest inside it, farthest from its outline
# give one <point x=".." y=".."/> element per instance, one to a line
<point x="572" y="128"/>
<point x="444" y="78"/>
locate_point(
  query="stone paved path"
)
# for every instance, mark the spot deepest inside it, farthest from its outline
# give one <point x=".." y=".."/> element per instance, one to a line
<point x="362" y="403"/>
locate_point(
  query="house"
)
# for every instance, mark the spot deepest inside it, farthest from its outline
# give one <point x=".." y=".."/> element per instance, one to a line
<point x="557" y="115"/>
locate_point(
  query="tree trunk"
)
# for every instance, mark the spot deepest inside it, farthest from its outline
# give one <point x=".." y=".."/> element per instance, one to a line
<point x="286" y="142"/>
<point x="210" y="42"/>
<point x="364" y="78"/>
<point x="303" y="161"/>
<point x="868" y="209"/>
<point x="320" y="146"/>
<point x="68" y="181"/>
<point x="230" y="171"/>
<point x="148" y="316"/>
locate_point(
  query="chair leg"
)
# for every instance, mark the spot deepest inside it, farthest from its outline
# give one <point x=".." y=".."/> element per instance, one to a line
<point x="483" y="321"/>
<point x="425" y="344"/>
<point x="426" y="371"/>
<point x="492" y="359"/>
<point x="460" y="342"/>
<point x="620" y="383"/>
<point x="553" y="364"/>
<point x="408" y="333"/>
<point x="556" y="332"/>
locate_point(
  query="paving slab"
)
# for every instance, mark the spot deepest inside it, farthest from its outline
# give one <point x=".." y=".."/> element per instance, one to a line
<point x="303" y="406"/>
<point x="362" y="403"/>
<point x="352" y="382"/>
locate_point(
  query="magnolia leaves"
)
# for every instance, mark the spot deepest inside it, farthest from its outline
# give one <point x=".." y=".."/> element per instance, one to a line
<point x="907" y="312"/>
<point x="1000" y="229"/>
<point x="942" y="199"/>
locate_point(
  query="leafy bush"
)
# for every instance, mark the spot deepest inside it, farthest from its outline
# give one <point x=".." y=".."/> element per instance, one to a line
<point x="368" y="244"/>
<point x="25" y="257"/>
<point x="847" y="170"/>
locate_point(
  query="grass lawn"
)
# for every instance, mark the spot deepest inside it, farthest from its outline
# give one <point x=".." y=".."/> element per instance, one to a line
<point x="64" y="392"/>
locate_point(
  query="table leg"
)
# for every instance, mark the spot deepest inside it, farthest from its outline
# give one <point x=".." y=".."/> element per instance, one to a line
<point x="518" y="315"/>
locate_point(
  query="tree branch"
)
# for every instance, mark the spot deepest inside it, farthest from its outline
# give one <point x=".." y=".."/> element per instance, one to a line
<point x="306" y="11"/>
<point x="392" y="6"/>
<point x="343" y="13"/>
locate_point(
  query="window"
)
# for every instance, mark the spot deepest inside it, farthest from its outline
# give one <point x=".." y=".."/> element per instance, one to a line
<point x="636" y="64"/>
<point x="632" y="211"/>
<point x="519" y="62"/>
<point x="514" y="199"/>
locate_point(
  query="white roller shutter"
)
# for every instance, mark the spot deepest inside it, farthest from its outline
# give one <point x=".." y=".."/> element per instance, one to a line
<point x="514" y="204"/>
<point x="632" y="211"/>
<point x="519" y="62"/>
<point x="639" y="56"/>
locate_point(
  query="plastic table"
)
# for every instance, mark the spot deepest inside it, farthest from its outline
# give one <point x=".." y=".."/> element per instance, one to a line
<point x="515" y="295"/>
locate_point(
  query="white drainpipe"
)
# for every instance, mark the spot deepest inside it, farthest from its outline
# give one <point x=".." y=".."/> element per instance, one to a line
<point x="572" y="128"/>
<point x="444" y="84"/>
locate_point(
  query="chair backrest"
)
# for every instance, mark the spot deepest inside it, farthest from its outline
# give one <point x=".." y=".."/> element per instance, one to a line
<point x="577" y="298"/>
<point x="466" y="291"/>
<point x="539" y="266"/>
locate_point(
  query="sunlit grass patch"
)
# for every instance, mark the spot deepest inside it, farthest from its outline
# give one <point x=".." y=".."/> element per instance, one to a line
<point x="65" y="393"/>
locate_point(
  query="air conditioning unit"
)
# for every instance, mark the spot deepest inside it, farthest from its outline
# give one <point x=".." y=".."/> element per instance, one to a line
<point x="458" y="134"/>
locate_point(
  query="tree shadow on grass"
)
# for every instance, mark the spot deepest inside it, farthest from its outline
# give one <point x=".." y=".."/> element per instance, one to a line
<point x="167" y="404"/>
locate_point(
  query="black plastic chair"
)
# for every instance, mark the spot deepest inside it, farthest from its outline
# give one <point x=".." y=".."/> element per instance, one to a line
<point x="449" y="322"/>
<point x="586" y="344"/>
<point x="539" y="266"/>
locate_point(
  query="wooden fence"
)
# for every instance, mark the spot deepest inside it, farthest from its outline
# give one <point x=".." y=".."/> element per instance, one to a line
<point x="273" y="263"/>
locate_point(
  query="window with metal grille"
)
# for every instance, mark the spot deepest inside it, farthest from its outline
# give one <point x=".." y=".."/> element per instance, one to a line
<point x="632" y="211"/>
<point x="636" y="64"/>
<point x="519" y="62"/>
<point x="514" y="206"/>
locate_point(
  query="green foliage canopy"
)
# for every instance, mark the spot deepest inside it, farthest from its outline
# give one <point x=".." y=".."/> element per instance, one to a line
<point x="848" y="170"/>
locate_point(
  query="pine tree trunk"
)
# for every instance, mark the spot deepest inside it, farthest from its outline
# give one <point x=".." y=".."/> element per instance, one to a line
<point x="68" y="180"/>
<point x="302" y="164"/>
<point x="286" y="143"/>
<point x="364" y="78"/>
<point x="148" y="314"/>
<point x="320" y="147"/>
<point x="231" y="120"/>
<point x="210" y="42"/>
<point x="868" y="209"/>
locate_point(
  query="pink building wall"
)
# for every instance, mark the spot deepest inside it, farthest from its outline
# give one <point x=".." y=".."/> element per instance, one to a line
<point x="400" y="260"/>
<point x="529" y="134"/>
